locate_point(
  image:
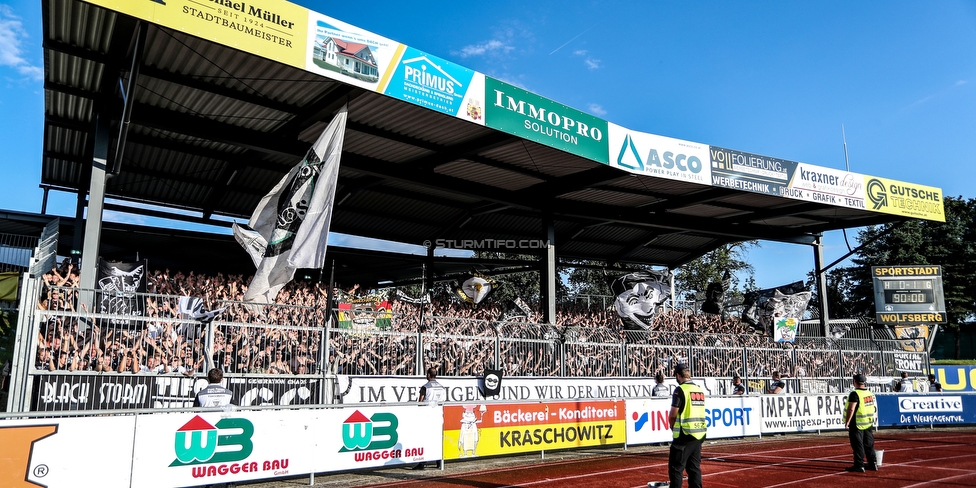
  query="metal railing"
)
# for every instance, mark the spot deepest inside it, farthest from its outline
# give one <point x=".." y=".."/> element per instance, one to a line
<point x="70" y="356"/>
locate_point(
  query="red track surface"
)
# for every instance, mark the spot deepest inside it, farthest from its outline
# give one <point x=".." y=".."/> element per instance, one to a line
<point x="912" y="458"/>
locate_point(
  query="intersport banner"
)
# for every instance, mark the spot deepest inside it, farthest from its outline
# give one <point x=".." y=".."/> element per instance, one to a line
<point x="507" y="428"/>
<point x="729" y="416"/>
<point x="921" y="409"/>
<point x="802" y="413"/>
<point x="406" y="389"/>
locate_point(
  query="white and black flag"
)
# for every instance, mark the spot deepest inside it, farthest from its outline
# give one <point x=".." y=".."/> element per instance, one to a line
<point x="289" y="229"/>
<point x="118" y="284"/>
<point x="638" y="295"/>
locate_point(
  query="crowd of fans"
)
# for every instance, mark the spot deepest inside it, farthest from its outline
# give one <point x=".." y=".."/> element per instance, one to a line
<point x="157" y="337"/>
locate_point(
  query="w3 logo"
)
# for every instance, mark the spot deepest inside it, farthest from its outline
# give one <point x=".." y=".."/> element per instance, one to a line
<point x="197" y="441"/>
<point x="377" y="432"/>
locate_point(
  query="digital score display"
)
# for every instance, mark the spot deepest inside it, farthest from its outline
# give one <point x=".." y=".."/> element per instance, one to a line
<point x="908" y="294"/>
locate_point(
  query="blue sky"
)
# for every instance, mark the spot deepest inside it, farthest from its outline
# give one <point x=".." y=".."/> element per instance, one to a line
<point x="774" y="78"/>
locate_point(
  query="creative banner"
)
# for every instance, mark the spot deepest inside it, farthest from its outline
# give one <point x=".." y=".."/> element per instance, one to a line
<point x="826" y="185"/>
<point x="502" y="428"/>
<point x="906" y="199"/>
<point x="802" y="413"/>
<point x="919" y="409"/>
<point x="659" y="156"/>
<point x="131" y="391"/>
<point x="349" y="54"/>
<point x="400" y="389"/>
<point x="270" y="29"/>
<point x="516" y="111"/>
<point x="750" y="172"/>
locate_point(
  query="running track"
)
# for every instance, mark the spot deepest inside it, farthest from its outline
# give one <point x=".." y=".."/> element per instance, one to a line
<point x="912" y="458"/>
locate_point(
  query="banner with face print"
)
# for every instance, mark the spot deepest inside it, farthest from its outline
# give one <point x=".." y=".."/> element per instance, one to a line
<point x="638" y="295"/>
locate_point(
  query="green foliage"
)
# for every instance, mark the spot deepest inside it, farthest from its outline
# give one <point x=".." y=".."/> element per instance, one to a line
<point x="950" y="244"/>
<point x="692" y="279"/>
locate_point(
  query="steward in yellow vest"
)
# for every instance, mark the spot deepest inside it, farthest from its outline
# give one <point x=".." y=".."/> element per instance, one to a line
<point x="688" y="424"/>
<point x="859" y="417"/>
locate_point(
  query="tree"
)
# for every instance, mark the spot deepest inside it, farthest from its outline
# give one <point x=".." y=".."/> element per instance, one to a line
<point x="692" y="279"/>
<point x="950" y="244"/>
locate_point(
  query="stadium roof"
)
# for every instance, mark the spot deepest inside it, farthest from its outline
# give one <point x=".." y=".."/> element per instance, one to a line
<point x="213" y="128"/>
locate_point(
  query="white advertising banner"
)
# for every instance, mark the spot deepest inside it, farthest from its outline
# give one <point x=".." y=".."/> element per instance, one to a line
<point x="370" y="437"/>
<point x="647" y="420"/>
<point x="802" y="413"/>
<point x="826" y="185"/>
<point x="349" y="54"/>
<point x="184" y="449"/>
<point x="733" y="416"/>
<point x="406" y="389"/>
<point x="63" y="452"/>
<point x="663" y="157"/>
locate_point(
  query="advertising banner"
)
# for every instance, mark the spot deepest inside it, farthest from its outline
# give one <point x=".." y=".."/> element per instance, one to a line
<point x="663" y="157"/>
<point x="272" y="29"/>
<point x="920" y="409"/>
<point x="400" y="389"/>
<point x="826" y="185"/>
<point x="185" y="449"/>
<point x="906" y="199"/>
<point x="647" y="420"/>
<point x="426" y="80"/>
<point x="66" y="452"/>
<point x="734" y="416"/>
<point x="955" y="378"/>
<point x="349" y="54"/>
<point x="372" y="437"/>
<point x="750" y="172"/>
<point x="501" y="428"/>
<point x="516" y="111"/>
<point x="802" y="413"/>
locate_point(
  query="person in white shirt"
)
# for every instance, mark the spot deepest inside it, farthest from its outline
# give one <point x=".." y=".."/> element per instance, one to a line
<point x="660" y="389"/>
<point x="905" y="384"/>
<point x="214" y="395"/>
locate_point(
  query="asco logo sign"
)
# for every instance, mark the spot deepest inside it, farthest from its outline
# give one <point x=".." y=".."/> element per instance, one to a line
<point x="214" y="450"/>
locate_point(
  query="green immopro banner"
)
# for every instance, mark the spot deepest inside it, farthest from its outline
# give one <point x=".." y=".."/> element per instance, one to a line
<point x="527" y="115"/>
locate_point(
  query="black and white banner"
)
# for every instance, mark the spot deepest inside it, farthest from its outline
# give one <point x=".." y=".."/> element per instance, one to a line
<point x="59" y="392"/>
<point x="118" y="284"/>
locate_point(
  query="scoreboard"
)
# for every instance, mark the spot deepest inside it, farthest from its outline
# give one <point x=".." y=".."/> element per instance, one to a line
<point x="908" y="295"/>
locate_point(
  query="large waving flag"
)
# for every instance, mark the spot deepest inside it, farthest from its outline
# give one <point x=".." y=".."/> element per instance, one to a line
<point x="289" y="229"/>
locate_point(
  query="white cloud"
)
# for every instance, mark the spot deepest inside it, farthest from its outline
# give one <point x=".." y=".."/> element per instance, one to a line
<point x="580" y="52"/>
<point x="592" y="63"/>
<point x="597" y="109"/>
<point x="489" y="47"/>
<point x="12" y="34"/>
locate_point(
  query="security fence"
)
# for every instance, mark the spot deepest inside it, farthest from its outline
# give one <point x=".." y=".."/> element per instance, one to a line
<point x="72" y="355"/>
